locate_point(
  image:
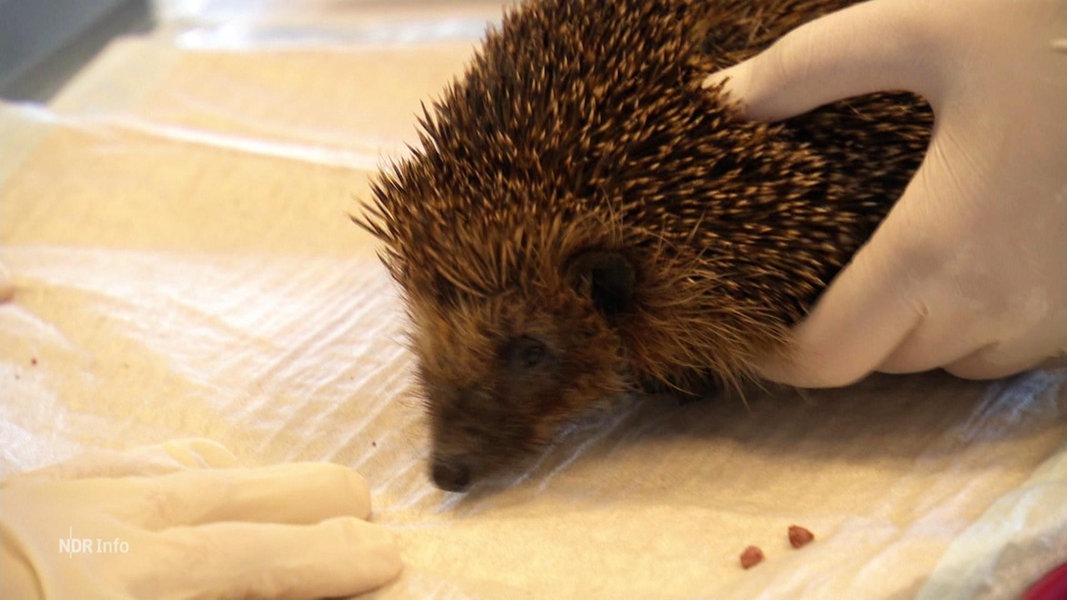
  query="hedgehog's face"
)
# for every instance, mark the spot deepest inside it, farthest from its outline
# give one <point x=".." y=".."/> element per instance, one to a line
<point x="502" y="373"/>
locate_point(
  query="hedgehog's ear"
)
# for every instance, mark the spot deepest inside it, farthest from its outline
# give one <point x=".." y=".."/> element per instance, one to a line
<point x="606" y="277"/>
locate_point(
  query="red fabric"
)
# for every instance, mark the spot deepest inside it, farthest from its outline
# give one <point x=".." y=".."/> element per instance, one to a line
<point x="1053" y="586"/>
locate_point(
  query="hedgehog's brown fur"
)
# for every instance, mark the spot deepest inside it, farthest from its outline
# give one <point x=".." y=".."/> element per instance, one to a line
<point x="581" y="127"/>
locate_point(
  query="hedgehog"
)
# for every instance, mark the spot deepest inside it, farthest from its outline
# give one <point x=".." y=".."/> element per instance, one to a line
<point x="581" y="220"/>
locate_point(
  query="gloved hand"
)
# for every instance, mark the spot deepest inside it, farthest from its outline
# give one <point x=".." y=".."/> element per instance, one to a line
<point x="969" y="269"/>
<point x="180" y="520"/>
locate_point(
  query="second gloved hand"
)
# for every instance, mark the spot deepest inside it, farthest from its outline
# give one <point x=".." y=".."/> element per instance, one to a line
<point x="180" y="520"/>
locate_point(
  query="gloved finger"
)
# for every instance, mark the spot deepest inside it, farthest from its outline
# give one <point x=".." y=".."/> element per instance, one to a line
<point x="336" y="558"/>
<point x="950" y="331"/>
<point x="851" y="330"/>
<point x="156" y="459"/>
<point x="1040" y="345"/>
<point x="919" y="352"/>
<point x="870" y="308"/>
<point x="953" y="336"/>
<point x="286" y="493"/>
<point x="868" y="47"/>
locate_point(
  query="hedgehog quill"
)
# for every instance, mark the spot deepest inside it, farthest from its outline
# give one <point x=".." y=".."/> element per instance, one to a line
<point x="583" y="220"/>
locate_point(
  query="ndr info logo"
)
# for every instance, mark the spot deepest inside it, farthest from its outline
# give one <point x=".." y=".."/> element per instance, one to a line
<point x="72" y="545"/>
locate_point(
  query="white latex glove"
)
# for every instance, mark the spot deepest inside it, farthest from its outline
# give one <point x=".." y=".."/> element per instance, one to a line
<point x="180" y="520"/>
<point x="969" y="269"/>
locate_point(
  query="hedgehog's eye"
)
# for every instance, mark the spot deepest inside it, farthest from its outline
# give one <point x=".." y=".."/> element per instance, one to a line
<point x="605" y="277"/>
<point x="527" y="352"/>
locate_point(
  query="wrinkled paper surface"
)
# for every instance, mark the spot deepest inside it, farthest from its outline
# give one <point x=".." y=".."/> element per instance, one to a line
<point x="176" y="223"/>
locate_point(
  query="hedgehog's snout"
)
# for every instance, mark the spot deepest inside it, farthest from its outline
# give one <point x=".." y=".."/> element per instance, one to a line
<point x="451" y="474"/>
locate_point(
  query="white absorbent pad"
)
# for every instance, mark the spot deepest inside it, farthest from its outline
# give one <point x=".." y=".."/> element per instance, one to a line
<point x="177" y="226"/>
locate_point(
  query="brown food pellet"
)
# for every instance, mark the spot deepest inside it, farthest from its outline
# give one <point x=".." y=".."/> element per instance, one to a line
<point x="798" y="536"/>
<point x="751" y="557"/>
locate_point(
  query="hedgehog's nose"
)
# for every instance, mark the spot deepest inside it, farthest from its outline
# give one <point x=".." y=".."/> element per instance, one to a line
<point x="451" y="475"/>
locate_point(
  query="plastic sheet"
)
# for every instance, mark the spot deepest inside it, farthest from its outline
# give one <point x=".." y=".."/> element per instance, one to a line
<point x="176" y="224"/>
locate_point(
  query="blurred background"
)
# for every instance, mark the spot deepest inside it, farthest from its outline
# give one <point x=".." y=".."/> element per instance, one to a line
<point x="43" y="43"/>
